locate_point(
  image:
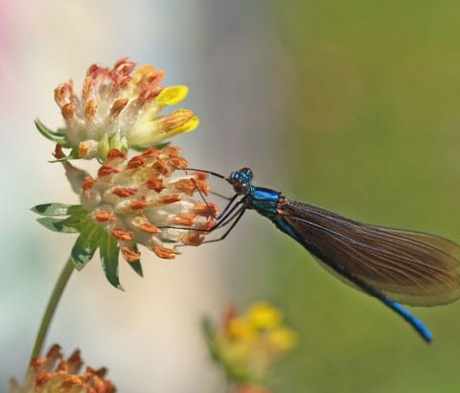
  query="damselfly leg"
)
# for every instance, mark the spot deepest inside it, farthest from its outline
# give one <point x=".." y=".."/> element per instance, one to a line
<point x="229" y="215"/>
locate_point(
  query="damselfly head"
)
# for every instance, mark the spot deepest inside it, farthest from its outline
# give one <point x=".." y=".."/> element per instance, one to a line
<point x="241" y="180"/>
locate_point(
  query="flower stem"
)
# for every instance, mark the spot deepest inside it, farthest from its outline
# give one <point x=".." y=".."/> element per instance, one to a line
<point x="51" y="307"/>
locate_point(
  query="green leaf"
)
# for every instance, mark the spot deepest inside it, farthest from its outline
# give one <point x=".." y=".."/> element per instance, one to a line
<point x="108" y="250"/>
<point x="162" y="145"/>
<point x="141" y="148"/>
<point x="77" y="210"/>
<point x="57" y="225"/>
<point x="207" y="329"/>
<point x="58" y="136"/>
<point x="136" y="266"/>
<point x="52" y="209"/>
<point x="75" y="219"/>
<point x="88" y="241"/>
<point x="79" y="220"/>
<point x="83" y="251"/>
<point x="73" y="155"/>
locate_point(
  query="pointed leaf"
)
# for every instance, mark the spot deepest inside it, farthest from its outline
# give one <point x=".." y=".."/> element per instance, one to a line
<point x="52" y="212"/>
<point x="79" y="219"/>
<point x="162" y="145"/>
<point x="89" y="240"/>
<point x="56" y="225"/>
<point x="52" y="209"/>
<point x="141" y="148"/>
<point x="108" y="250"/>
<point x="83" y="251"/>
<point x="77" y="210"/>
<point x="137" y="267"/>
<point x="58" y="136"/>
<point x="207" y="329"/>
<point x="73" y="155"/>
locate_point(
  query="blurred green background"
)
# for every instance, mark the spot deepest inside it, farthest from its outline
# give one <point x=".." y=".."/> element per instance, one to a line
<point x="371" y="129"/>
<point x="353" y="106"/>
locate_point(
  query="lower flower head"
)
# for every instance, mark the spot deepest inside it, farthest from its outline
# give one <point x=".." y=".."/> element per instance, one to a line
<point x="54" y="374"/>
<point x="139" y="202"/>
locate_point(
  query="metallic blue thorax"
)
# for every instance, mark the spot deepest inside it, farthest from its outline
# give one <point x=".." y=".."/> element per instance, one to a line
<point x="263" y="200"/>
<point x="267" y="203"/>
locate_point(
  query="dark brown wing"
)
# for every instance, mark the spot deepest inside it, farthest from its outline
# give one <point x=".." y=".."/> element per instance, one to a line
<point x="413" y="268"/>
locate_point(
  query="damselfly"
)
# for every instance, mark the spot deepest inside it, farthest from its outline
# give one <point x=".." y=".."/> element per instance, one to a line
<point x="392" y="265"/>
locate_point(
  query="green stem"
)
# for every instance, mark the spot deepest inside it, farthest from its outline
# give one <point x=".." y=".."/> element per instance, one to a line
<point x="51" y="307"/>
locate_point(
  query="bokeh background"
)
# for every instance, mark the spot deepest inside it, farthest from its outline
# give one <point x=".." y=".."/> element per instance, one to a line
<point x="350" y="105"/>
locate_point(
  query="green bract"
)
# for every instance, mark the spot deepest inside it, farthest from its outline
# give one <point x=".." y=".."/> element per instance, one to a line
<point x="64" y="218"/>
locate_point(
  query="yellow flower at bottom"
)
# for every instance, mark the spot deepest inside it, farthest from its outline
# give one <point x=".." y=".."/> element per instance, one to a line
<point x="247" y="345"/>
<point x="138" y="201"/>
<point x="54" y="374"/>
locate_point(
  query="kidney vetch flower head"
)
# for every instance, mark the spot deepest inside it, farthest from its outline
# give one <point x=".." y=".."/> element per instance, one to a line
<point x="131" y="201"/>
<point x="118" y="108"/>
<point x="55" y="374"/>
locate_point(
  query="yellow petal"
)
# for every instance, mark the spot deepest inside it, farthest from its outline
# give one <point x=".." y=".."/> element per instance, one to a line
<point x="238" y="328"/>
<point x="263" y="316"/>
<point x="190" y="125"/>
<point x="282" y="339"/>
<point x="172" y="95"/>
